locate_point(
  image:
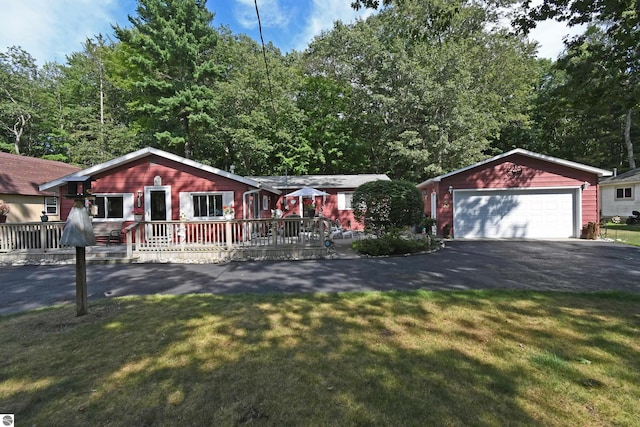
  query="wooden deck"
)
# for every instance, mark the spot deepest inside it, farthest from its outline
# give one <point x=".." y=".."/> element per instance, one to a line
<point x="176" y="241"/>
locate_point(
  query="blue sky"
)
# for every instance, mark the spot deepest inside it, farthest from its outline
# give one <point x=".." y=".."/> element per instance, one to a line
<point x="51" y="29"/>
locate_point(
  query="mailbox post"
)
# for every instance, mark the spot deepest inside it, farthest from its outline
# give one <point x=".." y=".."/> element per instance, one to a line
<point x="78" y="232"/>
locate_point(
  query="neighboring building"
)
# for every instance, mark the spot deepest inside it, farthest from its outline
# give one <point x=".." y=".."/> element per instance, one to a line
<point x="20" y="177"/>
<point x="335" y="205"/>
<point x="165" y="187"/>
<point x="620" y="196"/>
<point x="518" y="194"/>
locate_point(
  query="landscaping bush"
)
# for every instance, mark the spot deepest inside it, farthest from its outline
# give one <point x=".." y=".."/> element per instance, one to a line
<point x="384" y="206"/>
<point x="391" y="244"/>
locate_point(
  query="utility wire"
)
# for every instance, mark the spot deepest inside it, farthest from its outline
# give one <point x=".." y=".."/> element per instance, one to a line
<point x="264" y="55"/>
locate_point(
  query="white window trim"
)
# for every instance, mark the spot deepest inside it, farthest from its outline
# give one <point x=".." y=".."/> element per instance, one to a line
<point x="127" y="206"/>
<point x="56" y="206"/>
<point x="342" y="200"/>
<point x="615" y="194"/>
<point x="186" y="203"/>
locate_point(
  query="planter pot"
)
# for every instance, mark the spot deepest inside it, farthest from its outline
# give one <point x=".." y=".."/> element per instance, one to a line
<point x="3" y="219"/>
<point x="228" y="216"/>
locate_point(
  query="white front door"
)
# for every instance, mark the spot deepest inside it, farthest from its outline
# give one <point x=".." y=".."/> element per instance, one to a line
<point x="157" y="207"/>
<point x="157" y="203"/>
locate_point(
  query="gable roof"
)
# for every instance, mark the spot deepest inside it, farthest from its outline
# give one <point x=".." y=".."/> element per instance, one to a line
<point x="149" y="151"/>
<point x="319" y="181"/>
<point x="527" y="153"/>
<point x="22" y="175"/>
<point x="631" y="176"/>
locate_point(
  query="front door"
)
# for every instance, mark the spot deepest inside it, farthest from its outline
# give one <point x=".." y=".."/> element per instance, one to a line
<point x="157" y="203"/>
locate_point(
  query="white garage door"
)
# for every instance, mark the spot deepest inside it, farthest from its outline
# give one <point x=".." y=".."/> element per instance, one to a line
<point x="532" y="214"/>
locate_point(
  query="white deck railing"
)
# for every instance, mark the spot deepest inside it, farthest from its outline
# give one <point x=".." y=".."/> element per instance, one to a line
<point x="30" y="236"/>
<point x="183" y="236"/>
<point x="192" y="236"/>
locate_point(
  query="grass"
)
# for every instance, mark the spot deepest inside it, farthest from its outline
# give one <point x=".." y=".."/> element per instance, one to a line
<point x="629" y="234"/>
<point x="389" y="359"/>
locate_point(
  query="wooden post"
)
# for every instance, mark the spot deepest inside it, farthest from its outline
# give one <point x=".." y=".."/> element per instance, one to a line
<point x="81" y="281"/>
<point x="229" y="235"/>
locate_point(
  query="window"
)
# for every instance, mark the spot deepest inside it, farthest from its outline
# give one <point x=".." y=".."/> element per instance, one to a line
<point x="265" y="203"/>
<point x="207" y="205"/>
<point x="624" y="193"/>
<point x="110" y="207"/>
<point x="51" y="205"/>
<point x="344" y="201"/>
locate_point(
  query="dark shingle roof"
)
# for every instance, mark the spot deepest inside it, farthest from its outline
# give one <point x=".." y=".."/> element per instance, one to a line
<point x="628" y="177"/>
<point x="21" y="175"/>
<point x="319" y="181"/>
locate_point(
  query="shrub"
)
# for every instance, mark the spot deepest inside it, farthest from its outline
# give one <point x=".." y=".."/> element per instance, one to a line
<point x="393" y="244"/>
<point x="383" y="206"/>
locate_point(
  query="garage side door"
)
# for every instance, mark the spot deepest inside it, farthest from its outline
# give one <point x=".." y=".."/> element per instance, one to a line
<point x="530" y="214"/>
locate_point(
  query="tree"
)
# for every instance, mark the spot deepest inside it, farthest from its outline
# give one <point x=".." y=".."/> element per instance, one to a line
<point x="431" y="86"/>
<point x="18" y="94"/>
<point x="169" y="65"/>
<point x="606" y="56"/>
<point x="96" y="120"/>
<point x="604" y="91"/>
<point x="387" y="205"/>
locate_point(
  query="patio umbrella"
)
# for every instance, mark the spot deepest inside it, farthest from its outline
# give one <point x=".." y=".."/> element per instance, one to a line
<point x="307" y="192"/>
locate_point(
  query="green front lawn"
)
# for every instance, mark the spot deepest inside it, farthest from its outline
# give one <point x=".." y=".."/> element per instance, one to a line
<point x="629" y="234"/>
<point x="410" y="359"/>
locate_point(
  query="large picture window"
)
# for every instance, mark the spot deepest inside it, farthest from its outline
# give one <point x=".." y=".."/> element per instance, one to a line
<point x="110" y="207"/>
<point x="207" y="205"/>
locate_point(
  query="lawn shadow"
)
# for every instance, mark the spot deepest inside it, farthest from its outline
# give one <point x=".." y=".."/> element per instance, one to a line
<point x="327" y="359"/>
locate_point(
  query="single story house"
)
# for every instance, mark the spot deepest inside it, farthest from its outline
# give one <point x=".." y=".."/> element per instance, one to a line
<point x="20" y="177"/>
<point x="620" y="196"/>
<point x="517" y="194"/>
<point x="162" y="187"/>
<point x="335" y="205"/>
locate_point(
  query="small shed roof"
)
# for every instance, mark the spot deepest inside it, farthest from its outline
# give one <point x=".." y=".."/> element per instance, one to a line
<point x="628" y="177"/>
<point x="319" y="181"/>
<point x="22" y="175"/>
<point x="523" y="152"/>
<point x="149" y="151"/>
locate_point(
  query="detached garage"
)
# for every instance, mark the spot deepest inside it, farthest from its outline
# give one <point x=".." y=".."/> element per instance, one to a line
<point x="518" y="194"/>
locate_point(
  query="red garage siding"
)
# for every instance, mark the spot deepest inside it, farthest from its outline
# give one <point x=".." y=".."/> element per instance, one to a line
<point x="517" y="171"/>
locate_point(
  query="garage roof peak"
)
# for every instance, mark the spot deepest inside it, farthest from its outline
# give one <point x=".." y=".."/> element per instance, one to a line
<point x="521" y="151"/>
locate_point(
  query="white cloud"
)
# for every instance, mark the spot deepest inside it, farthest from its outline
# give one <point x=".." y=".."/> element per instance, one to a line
<point x="51" y="29"/>
<point x="550" y="35"/>
<point x="322" y="16"/>
<point x="272" y="14"/>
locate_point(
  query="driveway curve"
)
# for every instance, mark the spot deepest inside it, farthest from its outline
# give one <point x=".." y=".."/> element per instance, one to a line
<point x="566" y="265"/>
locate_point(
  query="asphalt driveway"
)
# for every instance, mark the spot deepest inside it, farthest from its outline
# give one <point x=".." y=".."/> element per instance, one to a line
<point x="568" y="265"/>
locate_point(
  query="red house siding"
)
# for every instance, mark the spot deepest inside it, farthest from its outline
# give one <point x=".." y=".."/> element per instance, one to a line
<point x="327" y="207"/>
<point x="134" y="176"/>
<point x="531" y="173"/>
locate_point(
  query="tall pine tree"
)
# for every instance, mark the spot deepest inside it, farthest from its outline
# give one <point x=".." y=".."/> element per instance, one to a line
<point x="168" y="64"/>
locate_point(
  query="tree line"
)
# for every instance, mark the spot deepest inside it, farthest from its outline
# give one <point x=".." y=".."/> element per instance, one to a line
<point x="418" y="89"/>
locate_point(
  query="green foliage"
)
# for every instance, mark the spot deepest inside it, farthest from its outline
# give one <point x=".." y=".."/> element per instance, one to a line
<point x="431" y="86"/>
<point x="19" y="97"/>
<point x="392" y="244"/>
<point x="171" y="70"/>
<point x="384" y="206"/>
